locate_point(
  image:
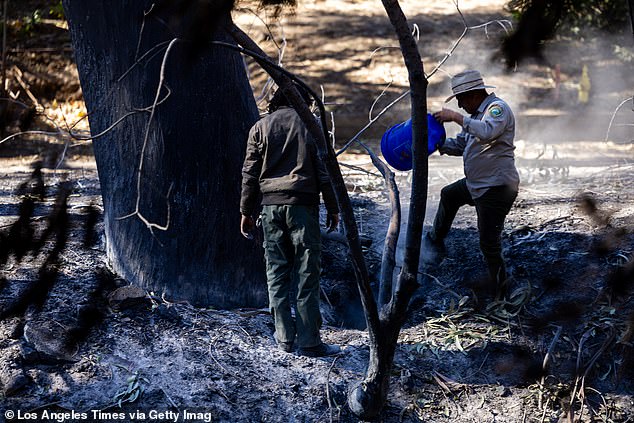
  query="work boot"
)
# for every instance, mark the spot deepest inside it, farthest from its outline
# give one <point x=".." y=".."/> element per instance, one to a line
<point x="285" y="346"/>
<point x="321" y="350"/>
<point x="433" y="251"/>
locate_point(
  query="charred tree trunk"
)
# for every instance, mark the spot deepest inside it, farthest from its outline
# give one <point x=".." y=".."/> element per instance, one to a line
<point x="184" y="240"/>
<point x="366" y="399"/>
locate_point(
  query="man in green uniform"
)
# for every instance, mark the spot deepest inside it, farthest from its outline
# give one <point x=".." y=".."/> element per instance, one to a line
<point x="282" y="165"/>
<point x="491" y="179"/>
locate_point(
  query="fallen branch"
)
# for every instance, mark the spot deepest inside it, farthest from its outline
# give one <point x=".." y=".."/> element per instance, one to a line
<point x="359" y="169"/>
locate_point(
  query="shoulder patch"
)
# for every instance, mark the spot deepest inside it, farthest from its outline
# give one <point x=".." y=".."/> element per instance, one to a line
<point x="495" y="111"/>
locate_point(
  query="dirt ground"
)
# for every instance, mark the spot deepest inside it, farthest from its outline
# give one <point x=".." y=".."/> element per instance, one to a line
<point x="558" y="348"/>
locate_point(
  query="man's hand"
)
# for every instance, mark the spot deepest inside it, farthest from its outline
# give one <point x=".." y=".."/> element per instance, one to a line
<point x="332" y="220"/>
<point x="247" y="224"/>
<point x="448" y="115"/>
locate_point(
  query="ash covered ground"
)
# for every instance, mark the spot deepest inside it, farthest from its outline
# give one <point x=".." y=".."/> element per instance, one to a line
<point x="560" y="341"/>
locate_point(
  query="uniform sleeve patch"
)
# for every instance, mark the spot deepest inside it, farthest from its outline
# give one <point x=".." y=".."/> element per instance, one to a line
<point x="495" y="111"/>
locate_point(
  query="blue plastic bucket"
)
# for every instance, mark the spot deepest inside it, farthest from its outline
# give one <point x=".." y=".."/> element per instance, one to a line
<point x="396" y="143"/>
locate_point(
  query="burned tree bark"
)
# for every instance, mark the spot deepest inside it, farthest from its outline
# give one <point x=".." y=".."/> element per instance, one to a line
<point x="170" y="171"/>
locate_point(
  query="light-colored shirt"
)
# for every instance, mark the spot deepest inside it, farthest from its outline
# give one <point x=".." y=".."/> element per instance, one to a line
<point x="486" y="147"/>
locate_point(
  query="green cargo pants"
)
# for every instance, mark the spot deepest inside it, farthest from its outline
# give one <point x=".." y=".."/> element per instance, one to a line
<point x="292" y="247"/>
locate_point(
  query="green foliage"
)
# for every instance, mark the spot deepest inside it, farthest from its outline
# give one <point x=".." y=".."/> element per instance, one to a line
<point x="57" y="10"/>
<point x="29" y="22"/>
<point x="578" y="14"/>
<point x="133" y="390"/>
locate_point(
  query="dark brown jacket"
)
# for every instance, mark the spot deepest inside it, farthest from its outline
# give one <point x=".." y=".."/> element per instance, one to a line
<point x="282" y="163"/>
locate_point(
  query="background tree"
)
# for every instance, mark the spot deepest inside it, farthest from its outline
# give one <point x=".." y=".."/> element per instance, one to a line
<point x="539" y="20"/>
<point x="601" y="14"/>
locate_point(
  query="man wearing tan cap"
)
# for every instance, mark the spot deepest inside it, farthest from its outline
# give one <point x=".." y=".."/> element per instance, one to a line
<point x="491" y="179"/>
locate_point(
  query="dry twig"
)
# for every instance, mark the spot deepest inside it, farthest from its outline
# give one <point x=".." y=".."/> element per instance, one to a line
<point x="607" y="133"/>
